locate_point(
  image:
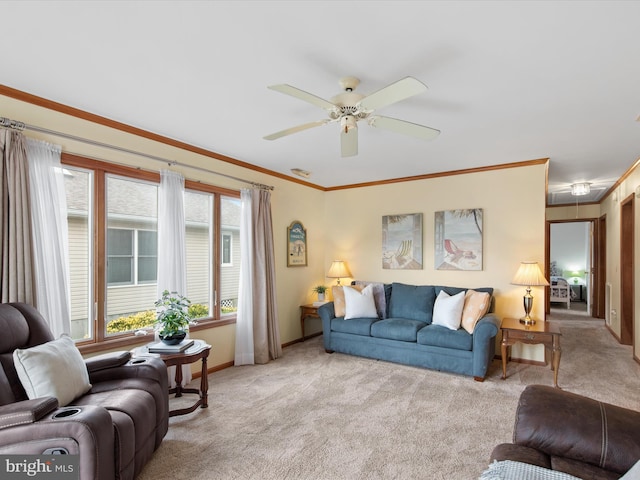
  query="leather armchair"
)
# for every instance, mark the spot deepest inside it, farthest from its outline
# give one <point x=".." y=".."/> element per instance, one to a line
<point x="577" y="435"/>
<point x="114" y="428"/>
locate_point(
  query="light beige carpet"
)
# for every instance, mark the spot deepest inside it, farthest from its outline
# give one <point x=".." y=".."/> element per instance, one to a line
<point x="311" y="415"/>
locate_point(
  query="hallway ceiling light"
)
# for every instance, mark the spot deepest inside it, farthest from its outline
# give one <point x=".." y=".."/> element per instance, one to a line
<point x="578" y="189"/>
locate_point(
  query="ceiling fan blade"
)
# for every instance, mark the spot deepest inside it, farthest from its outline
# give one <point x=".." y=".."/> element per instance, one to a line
<point x="299" y="128"/>
<point x="302" y="95"/>
<point x="404" y="127"/>
<point x="405" y="88"/>
<point x="349" y="141"/>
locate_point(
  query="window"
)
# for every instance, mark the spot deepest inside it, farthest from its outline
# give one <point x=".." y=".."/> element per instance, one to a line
<point x="132" y="257"/>
<point x="113" y="242"/>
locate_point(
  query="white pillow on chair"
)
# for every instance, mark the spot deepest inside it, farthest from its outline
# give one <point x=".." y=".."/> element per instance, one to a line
<point x="53" y="369"/>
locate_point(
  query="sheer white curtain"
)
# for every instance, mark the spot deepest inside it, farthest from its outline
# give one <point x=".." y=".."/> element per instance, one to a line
<point x="50" y="235"/>
<point x="244" y="319"/>
<point x="172" y="252"/>
<point x="257" y="331"/>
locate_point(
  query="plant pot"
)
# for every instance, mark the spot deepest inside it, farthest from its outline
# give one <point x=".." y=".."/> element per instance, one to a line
<point x="174" y="339"/>
<point x="321" y="297"/>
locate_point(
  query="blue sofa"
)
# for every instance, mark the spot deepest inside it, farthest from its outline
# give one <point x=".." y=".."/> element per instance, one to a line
<point x="407" y="335"/>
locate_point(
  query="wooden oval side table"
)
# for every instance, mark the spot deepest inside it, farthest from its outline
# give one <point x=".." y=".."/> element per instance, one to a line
<point x="198" y="351"/>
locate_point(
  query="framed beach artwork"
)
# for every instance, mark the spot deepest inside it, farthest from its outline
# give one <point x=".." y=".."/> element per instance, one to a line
<point x="296" y="245"/>
<point x="458" y="239"/>
<point x="402" y="242"/>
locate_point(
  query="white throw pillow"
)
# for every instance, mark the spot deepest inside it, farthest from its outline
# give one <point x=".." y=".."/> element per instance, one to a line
<point x="53" y="369"/>
<point x="359" y="304"/>
<point x="447" y="310"/>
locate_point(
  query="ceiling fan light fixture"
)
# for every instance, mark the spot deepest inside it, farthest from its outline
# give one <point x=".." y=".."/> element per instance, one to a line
<point x="579" y="189"/>
<point x="347" y="123"/>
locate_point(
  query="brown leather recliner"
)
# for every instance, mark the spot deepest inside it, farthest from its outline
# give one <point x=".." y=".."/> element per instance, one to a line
<point x="574" y="434"/>
<point x="114" y="428"/>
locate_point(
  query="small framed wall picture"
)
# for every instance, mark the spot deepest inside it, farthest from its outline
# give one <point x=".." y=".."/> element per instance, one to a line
<point x="296" y="245"/>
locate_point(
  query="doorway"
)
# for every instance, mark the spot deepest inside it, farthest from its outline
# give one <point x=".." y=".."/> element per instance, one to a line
<point x="571" y="258"/>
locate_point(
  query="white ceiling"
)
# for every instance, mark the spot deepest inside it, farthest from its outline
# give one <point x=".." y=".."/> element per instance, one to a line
<point x="508" y="81"/>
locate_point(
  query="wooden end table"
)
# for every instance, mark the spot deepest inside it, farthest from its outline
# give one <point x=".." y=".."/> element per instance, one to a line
<point x="198" y="351"/>
<point x="309" y="310"/>
<point x="541" y="332"/>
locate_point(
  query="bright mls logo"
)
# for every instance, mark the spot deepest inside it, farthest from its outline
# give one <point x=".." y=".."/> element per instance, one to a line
<point x="49" y="467"/>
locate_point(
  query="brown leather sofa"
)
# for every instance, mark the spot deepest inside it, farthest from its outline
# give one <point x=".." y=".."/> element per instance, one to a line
<point x="114" y="428"/>
<point x="577" y="435"/>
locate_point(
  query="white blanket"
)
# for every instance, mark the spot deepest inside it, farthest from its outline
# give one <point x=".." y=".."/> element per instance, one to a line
<point x="509" y="470"/>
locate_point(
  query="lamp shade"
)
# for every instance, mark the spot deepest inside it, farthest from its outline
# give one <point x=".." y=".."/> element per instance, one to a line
<point x="529" y="275"/>
<point x="338" y="269"/>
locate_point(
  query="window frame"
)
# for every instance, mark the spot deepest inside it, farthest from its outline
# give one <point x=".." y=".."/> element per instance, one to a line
<point x="100" y="170"/>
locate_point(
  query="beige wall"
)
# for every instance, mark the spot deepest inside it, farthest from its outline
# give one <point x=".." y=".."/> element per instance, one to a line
<point x="346" y="224"/>
<point x="611" y="208"/>
<point x="513" y="203"/>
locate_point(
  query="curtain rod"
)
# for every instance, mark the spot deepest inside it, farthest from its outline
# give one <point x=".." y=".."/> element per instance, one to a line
<point x="21" y="126"/>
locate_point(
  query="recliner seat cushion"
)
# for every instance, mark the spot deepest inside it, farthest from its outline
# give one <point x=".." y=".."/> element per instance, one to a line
<point x="439" y="336"/>
<point x="403" y="329"/>
<point x="137" y="405"/>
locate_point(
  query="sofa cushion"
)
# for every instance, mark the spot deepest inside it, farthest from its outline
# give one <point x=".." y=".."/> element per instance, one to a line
<point x="454" y="290"/>
<point x="403" y="329"/>
<point x="447" y="310"/>
<point x="379" y="295"/>
<point x="359" y="304"/>
<point x="438" y="336"/>
<point x="413" y="302"/>
<point x="476" y="305"/>
<point x="53" y="369"/>
<point x="355" y="326"/>
<point x="337" y="291"/>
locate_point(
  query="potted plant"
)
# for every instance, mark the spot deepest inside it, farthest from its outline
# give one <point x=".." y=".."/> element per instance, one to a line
<point x="320" y="290"/>
<point x="172" y="319"/>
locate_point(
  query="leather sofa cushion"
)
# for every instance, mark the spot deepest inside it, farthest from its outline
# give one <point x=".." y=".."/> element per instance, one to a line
<point x="403" y="329"/>
<point x="413" y="302"/>
<point x="440" y="336"/>
<point x="355" y="326"/>
<point x="140" y="407"/>
<point x="564" y="424"/>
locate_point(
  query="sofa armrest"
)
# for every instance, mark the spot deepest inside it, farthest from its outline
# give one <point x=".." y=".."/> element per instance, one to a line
<point x="151" y="368"/>
<point x="107" y="360"/>
<point x="86" y="431"/>
<point x="327" y="313"/>
<point x="568" y="425"/>
<point x="484" y="344"/>
<point x="27" y="411"/>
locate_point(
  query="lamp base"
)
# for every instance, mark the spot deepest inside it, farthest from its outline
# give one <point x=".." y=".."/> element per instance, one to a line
<point x="527" y="321"/>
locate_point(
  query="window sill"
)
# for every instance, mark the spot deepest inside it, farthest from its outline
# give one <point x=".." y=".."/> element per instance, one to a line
<point x="130" y="341"/>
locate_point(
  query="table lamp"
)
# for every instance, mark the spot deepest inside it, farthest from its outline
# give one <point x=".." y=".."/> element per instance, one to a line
<point x="337" y="270"/>
<point x="529" y="275"/>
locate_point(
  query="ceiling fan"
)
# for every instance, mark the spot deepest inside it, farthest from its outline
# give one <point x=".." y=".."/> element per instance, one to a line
<point x="348" y="108"/>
